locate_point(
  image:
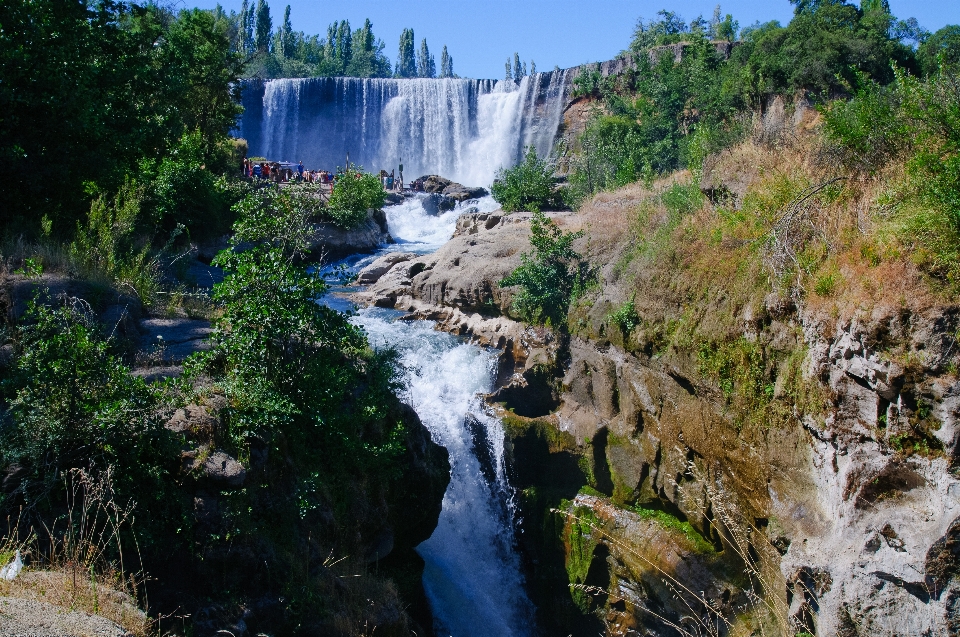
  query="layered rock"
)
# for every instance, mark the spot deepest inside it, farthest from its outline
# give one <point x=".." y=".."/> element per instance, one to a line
<point x="843" y="511"/>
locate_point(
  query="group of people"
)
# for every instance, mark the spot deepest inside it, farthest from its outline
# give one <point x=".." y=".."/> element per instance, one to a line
<point x="283" y="173"/>
<point x="390" y="182"/>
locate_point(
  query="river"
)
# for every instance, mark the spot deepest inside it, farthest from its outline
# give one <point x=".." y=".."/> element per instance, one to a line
<point x="472" y="577"/>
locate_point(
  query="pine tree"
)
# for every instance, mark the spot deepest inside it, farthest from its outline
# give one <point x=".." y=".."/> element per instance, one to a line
<point x="507" y="66"/>
<point x="524" y="69"/>
<point x="517" y="69"/>
<point x="446" y="63"/>
<point x="406" y="59"/>
<point x="533" y="67"/>
<point x="264" y="26"/>
<point x="426" y="67"/>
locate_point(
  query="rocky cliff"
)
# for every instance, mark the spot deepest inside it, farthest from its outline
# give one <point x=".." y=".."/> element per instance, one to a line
<point x="724" y="460"/>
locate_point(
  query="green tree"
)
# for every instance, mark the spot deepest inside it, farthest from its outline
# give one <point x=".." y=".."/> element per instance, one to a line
<point x="354" y="193"/>
<point x="527" y="186"/>
<point x="509" y="71"/>
<point x="548" y="277"/>
<point x="285" y="38"/>
<point x="406" y="58"/>
<point x="446" y="63"/>
<point x="263" y="29"/>
<point x="426" y="67"/>
<point x="517" y="69"/>
<point x="943" y="47"/>
<point x="668" y="29"/>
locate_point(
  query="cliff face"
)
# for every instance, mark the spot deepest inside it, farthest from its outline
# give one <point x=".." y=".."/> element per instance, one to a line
<point x="824" y="499"/>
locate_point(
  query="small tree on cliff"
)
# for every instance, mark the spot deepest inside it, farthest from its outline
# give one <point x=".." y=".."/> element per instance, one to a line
<point x="548" y="277"/>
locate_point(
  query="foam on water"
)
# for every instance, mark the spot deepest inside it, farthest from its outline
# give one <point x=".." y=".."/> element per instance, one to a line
<point x="410" y="223"/>
<point x="472" y="575"/>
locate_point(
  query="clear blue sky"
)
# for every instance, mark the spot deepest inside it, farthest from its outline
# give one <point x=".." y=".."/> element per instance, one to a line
<point x="481" y="35"/>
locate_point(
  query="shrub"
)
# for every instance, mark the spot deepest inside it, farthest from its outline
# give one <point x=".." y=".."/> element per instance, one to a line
<point x="74" y="405"/>
<point x="868" y="129"/>
<point x="182" y="190"/>
<point x="547" y="278"/>
<point x="527" y="186"/>
<point x="625" y="317"/>
<point x="354" y="193"/>
<point x="294" y="368"/>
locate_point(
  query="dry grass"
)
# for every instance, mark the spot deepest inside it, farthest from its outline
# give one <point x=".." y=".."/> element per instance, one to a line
<point x="80" y="562"/>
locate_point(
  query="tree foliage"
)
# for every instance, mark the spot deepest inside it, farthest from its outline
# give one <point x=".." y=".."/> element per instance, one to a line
<point x="548" y="276"/>
<point x="529" y="185"/>
<point x="140" y="79"/>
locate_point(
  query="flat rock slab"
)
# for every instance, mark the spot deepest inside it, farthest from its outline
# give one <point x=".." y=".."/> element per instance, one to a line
<point x="203" y="276"/>
<point x="29" y="618"/>
<point x="178" y="337"/>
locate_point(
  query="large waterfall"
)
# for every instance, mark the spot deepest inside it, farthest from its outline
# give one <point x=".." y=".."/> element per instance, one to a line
<point x="462" y="129"/>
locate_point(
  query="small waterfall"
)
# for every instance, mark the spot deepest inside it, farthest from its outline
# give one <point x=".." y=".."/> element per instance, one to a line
<point x="472" y="573"/>
<point x="462" y="129"/>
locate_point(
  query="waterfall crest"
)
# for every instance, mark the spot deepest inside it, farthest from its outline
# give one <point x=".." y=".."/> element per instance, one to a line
<point x="462" y="129"/>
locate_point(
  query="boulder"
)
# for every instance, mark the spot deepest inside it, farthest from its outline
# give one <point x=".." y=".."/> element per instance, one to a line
<point x="330" y="242"/>
<point x="457" y="193"/>
<point x="434" y="183"/>
<point x="373" y="272"/>
<point x="435" y="204"/>
<point x="174" y="339"/>
<point x="461" y="193"/>
<point x="223" y="469"/>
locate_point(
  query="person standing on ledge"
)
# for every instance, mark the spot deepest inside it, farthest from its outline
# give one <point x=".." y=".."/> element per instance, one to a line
<point x="401" y="175"/>
<point x="300" y="170"/>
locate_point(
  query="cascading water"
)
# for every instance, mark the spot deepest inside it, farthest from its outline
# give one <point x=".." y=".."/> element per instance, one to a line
<point x="462" y="129"/>
<point x="472" y="573"/>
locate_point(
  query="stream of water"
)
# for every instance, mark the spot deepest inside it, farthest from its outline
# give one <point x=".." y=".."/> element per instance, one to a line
<point x="472" y="576"/>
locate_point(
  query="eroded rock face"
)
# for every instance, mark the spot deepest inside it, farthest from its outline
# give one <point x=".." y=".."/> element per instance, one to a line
<point x="850" y="518"/>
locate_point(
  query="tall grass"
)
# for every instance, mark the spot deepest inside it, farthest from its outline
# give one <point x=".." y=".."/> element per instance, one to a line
<point x="81" y="562"/>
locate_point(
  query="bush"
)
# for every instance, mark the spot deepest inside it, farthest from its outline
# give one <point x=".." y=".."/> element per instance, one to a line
<point x="354" y="193"/>
<point x="293" y="368"/>
<point x="527" y="186"/>
<point x="548" y="278"/>
<point x="74" y="405"/>
<point x="868" y="129"/>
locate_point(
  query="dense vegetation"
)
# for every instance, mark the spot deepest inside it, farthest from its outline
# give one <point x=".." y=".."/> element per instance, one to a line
<point x="148" y="101"/>
<point x="662" y="115"/>
<point x="117" y="167"/>
<point x="307" y="404"/>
